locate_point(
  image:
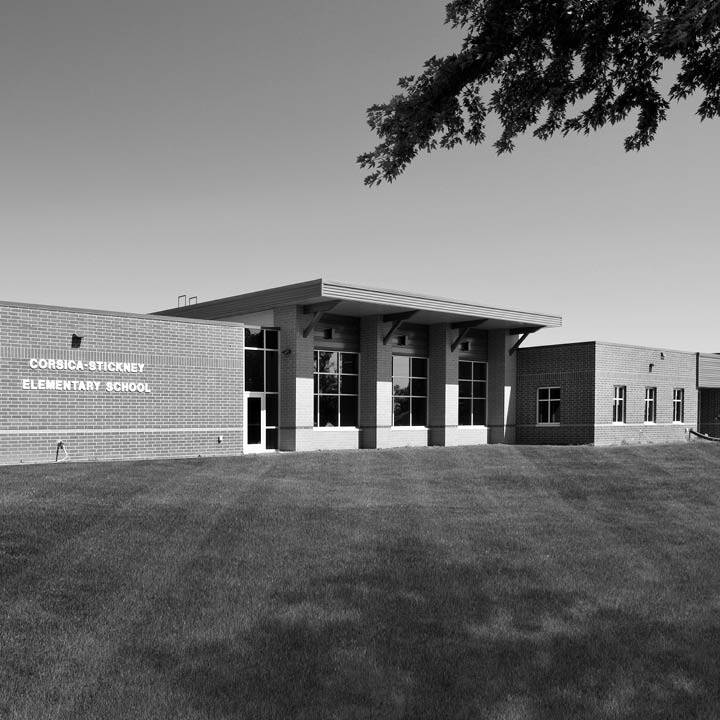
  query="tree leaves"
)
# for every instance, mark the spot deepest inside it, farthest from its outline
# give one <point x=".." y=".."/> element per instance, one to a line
<point x="553" y="66"/>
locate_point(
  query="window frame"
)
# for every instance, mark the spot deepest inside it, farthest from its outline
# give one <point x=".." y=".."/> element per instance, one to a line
<point x="317" y="394"/>
<point x="619" y="401"/>
<point x="472" y="398"/>
<point x="410" y="396"/>
<point x="549" y="400"/>
<point x="678" y="401"/>
<point x="269" y="349"/>
<point x="650" y="404"/>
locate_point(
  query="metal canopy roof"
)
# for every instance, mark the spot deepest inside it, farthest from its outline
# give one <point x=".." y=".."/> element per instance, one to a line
<point x="354" y="300"/>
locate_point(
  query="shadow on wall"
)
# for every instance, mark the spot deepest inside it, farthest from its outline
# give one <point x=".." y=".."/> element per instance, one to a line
<point x="412" y="636"/>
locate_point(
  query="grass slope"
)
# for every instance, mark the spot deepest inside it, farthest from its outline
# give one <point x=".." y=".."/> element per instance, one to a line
<point x="495" y="582"/>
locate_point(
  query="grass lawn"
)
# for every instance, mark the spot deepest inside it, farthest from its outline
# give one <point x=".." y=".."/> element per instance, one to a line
<point x="495" y="582"/>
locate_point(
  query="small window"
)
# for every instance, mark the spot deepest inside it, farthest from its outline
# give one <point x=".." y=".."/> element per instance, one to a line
<point x="75" y="341"/>
<point x="619" y="404"/>
<point x="465" y="346"/>
<point x="401" y="340"/>
<point x="679" y="405"/>
<point x="327" y="333"/>
<point x="548" y="406"/>
<point x="650" y="404"/>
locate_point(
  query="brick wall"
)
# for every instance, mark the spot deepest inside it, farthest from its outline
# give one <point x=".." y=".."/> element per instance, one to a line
<point x="193" y="371"/>
<point x="631" y="366"/>
<point x="587" y="374"/>
<point x="570" y="367"/>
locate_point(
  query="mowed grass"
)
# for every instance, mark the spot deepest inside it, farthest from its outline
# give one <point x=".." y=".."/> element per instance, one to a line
<point x="494" y="582"/>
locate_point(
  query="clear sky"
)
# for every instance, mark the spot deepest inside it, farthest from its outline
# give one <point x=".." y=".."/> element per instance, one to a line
<point x="157" y="147"/>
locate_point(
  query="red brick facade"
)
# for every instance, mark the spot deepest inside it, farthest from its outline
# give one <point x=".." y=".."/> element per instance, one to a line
<point x="192" y="371"/>
<point x="141" y="386"/>
<point x="571" y="368"/>
<point x="587" y="374"/>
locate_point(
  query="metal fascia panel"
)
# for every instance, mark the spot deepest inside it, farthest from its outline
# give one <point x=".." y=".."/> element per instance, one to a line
<point x="422" y="302"/>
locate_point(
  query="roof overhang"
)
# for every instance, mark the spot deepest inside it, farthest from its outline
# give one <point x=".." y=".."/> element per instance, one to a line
<point x="356" y="301"/>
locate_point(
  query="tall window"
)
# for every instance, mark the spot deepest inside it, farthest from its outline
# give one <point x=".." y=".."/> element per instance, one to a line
<point x="261" y="375"/>
<point x="336" y="389"/>
<point x="548" y="406"/>
<point x="679" y="405"/>
<point x="472" y="393"/>
<point x="650" y="404"/>
<point x="619" y="404"/>
<point x="409" y="390"/>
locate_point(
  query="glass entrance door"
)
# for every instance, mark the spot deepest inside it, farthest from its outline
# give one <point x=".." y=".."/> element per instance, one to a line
<point x="254" y="422"/>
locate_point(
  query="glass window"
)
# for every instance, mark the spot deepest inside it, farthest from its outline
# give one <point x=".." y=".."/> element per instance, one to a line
<point x="271" y="339"/>
<point x="261" y="375"/>
<point x="271" y="410"/>
<point x="548" y="406"/>
<point x="271" y="371"/>
<point x="254" y="371"/>
<point x="409" y="389"/>
<point x="336" y="389"/>
<point x="619" y="404"/>
<point x="326" y="362"/>
<point x="650" y="404"/>
<point x="472" y="393"/>
<point x="679" y="405"/>
<point x="271" y="438"/>
<point x="253" y="337"/>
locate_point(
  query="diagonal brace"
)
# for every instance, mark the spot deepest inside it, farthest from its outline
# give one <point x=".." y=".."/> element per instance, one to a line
<point x="521" y="339"/>
<point x="465" y="328"/>
<point x="396" y="324"/>
<point x="397" y="320"/>
<point x="317" y="310"/>
<point x="313" y="323"/>
<point x="461" y="336"/>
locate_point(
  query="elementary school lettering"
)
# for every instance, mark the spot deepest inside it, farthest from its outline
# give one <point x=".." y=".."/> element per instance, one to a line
<point x="91" y="365"/>
<point x="83" y="385"/>
<point x="112" y="366"/>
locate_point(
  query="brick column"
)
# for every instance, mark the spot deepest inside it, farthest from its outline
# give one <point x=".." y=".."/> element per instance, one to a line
<point x="443" y="387"/>
<point x="375" y="383"/>
<point x="502" y="382"/>
<point x="296" y="379"/>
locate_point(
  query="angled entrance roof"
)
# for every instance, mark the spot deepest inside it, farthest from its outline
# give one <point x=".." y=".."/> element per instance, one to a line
<point x="346" y="299"/>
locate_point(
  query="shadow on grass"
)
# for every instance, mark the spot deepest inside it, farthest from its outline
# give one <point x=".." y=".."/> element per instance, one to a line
<point x="412" y="635"/>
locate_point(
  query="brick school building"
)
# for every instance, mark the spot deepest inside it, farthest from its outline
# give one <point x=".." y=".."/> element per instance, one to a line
<point x="327" y="365"/>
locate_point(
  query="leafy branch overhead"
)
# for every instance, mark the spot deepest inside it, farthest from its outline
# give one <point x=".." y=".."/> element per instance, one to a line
<point x="550" y="65"/>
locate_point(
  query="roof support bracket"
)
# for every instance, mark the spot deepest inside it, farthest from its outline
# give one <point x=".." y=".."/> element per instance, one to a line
<point x="397" y="319"/>
<point x="322" y="307"/>
<point x="521" y="339"/>
<point x="317" y="310"/>
<point x="464" y="327"/>
<point x="313" y="323"/>
<point x="396" y="324"/>
<point x="459" y="338"/>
